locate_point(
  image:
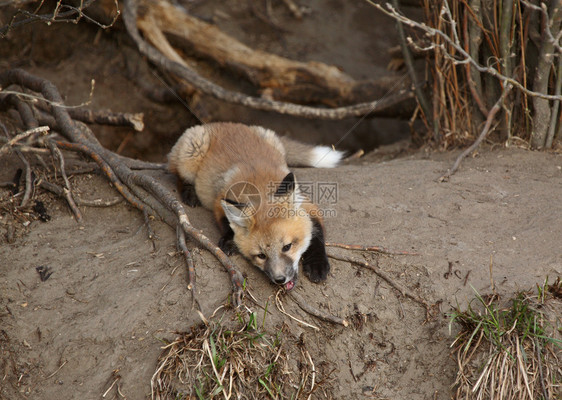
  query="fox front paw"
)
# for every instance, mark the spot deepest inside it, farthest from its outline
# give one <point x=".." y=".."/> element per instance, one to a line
<point x="315" y="263"/>
<point x="227" y="245"/>
<point x="189" y="196"/>
<point x="316" y="268"/>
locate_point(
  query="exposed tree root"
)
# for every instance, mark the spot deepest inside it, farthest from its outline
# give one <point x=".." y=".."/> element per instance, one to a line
<point x="6" y="147"/>
<point x="140" y="190"/>
<point x="189" y="263"/>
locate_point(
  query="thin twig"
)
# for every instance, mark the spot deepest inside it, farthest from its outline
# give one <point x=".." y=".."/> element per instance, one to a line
<point x="491" y="114"/>
<point x="57" y="16"/>
<point x="58" y="369"/>
<point x="555" y="41"/>
<point x="377" y="249"/>
<point x="53" y="188"/>
<point x="473" y="39"/>
<point x="102" y="117"/>
<point x="316" y="312"/>
<point x="554" y="116"/>
<point x="28" y="180"/>
<point x="108" y="171"/>
<point x="111" y="387"/>
<point x="465" y="57"/>
<point x="67" y="190"/>
<point x="409" y="62"/>
<point x="6" y="147"/>
<point x="281" y="308"/>
<point x="384" y="276"/>
<point x="99" y="202"/>
<point x="313" y="378"/>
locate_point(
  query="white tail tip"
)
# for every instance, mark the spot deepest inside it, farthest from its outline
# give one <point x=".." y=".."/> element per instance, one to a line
<point x="325" y="157"/>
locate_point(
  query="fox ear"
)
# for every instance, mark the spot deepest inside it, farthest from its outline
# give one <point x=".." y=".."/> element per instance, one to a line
<point x="236" y="213"/>
<point x="287" y="185"/>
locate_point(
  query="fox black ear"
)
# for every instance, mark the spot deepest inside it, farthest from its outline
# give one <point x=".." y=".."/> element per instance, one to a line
<point x="236" y="213"/>
<point x="235" y="203"/>
<point x="287" y="185"/>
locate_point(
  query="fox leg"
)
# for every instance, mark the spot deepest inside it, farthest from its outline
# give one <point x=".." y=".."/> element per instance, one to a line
<point x="315" y="263"/>
<point x="226" y="242"/>
<point x="188" y="193"/>
<point x="185" y="159"/>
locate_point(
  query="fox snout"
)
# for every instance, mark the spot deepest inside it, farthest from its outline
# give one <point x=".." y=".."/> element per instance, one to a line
<point x="280" y="270"/>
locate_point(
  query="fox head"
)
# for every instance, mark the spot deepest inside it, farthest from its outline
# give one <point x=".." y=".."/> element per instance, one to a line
<point x="275" y="236"/>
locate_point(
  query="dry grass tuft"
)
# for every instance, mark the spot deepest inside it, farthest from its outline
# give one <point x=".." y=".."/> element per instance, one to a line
<point x="511" y="352"/>
<point x="243" y="362"/>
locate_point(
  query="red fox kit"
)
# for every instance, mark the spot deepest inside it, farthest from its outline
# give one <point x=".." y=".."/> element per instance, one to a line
<point x="240" y="172"/>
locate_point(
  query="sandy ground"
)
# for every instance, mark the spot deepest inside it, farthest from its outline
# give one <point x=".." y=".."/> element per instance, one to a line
<point x="114" y="294"/>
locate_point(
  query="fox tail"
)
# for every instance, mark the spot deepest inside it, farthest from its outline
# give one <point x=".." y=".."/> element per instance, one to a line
<point x="299" y="154"/>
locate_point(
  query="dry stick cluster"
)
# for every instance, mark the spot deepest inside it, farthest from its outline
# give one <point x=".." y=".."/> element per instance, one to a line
<point x="476" y="50"/>
<point x="140" y="190"/>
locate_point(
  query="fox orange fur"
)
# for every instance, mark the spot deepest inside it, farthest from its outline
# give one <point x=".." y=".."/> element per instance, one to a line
<point x="241" y="173"/>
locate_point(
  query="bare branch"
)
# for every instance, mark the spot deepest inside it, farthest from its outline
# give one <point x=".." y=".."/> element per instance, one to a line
<point x="316" y="312"/>
<point x="554" y="41"/>
<point x="465" y="57"/>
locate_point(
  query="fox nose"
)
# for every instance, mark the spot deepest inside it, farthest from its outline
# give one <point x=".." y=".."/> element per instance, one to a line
<point x="279" y="281"/>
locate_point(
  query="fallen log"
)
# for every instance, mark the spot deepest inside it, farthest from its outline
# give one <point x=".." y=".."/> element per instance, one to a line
<point x="275" y="76"/>
<point x="278" y="77"/>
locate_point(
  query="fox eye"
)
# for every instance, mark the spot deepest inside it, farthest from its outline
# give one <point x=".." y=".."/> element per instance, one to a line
<point x="287" y="247"/>
<point x="261" y="256"/>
